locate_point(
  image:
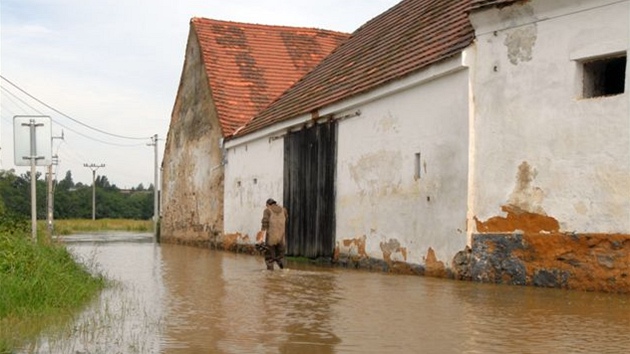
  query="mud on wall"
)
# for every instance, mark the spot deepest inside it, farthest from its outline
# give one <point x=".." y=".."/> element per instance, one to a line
<point x="593" y="262"/>
<point x="392" y="258"/>
<point x="527" y="248"/>
<point x="192" y="173"/>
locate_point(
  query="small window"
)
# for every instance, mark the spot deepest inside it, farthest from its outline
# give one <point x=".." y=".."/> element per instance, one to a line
<point x="604" y="77"/>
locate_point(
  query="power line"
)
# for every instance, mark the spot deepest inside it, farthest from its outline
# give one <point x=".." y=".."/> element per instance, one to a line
<point x="62" y="125"/>
<point x="20" y="100"/>
<point x="67" y="116"/>
<point x="11" y="113"/>
<point x="13" y="96"/>
<point x="86" y="136"/>
<point x="554" y="17"/>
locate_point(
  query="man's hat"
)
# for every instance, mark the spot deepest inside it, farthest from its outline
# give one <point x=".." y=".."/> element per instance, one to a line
<point x="270" y="201"/>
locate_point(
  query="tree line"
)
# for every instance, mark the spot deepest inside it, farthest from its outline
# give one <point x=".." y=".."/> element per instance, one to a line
<point x="74" y="200"/>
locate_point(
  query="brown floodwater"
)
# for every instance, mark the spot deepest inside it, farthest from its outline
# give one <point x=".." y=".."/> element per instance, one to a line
<point x="179" y="299"/>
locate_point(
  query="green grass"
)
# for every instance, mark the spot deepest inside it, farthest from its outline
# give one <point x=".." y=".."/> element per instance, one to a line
<point x="39" y="282"/>
<point x="73" y="226"/>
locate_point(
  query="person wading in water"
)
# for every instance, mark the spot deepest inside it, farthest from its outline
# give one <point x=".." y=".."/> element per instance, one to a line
<point x="273" y="224"/>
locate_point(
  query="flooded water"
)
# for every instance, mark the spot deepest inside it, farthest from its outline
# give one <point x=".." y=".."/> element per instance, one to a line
<point x="178" y="299"/>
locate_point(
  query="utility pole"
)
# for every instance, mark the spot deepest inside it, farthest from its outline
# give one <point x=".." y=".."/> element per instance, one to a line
<point x="93" y="167"/>
<point x="154" y="143"/>
<point x="51" y="194"/>
<point x="34" y="148"/>
<point x="49" y="219"/>
<point x="32" y="124"/>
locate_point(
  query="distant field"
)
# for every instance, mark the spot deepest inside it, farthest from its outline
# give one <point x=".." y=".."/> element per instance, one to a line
<point x="72" y="226"/>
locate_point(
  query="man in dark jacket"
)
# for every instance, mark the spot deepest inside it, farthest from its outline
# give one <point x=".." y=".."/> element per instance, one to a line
<point x="273" y="223"/>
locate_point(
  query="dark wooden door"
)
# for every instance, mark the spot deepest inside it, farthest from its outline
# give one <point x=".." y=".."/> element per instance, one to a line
<point x="310" y="157"/>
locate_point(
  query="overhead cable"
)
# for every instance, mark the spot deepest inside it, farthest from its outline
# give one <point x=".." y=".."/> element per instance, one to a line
<point x="67" y="116"/>
<point x="63" y="125"/>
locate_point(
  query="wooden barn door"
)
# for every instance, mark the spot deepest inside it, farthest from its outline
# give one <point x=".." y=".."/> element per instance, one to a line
<point x="309" y="190"/>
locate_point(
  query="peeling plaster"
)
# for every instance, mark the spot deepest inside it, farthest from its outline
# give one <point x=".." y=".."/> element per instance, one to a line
<point x="352" y="252"/>
<point x="524" y="209"/>
<point x="434" y="267"/>
<point x="353" y="247"/>
<point x="520" y="40"/>
<point x="391" y="249"/>
<point x="371" y="170"/>
<point x="526" y="247"/>
<point x="520" y="44"/>
<point x="525" y="196"/>
<point x="518" y="220"/>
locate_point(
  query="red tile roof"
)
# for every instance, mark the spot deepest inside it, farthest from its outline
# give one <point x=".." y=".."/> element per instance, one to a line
<point x="249" y="65"/>
<point x="406" y="38"/>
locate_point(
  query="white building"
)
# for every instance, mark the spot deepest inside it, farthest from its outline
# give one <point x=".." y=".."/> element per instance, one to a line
<point x="430" y="130"/>
<point x="479" y="139"/>
<point x="369" y="151"/>
<point x="550" y="144"/>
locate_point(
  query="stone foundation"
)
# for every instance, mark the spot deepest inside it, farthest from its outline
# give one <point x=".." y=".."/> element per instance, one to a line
<point x="592" y="262"/>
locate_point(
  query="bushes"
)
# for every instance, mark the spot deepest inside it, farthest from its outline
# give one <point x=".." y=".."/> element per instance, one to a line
<point x="74" y="200"/>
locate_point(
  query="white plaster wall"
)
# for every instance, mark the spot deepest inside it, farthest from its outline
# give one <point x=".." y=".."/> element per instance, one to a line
<point x="526" y="86"/>
<point x="378" y="195"/>
<point x="253" y="173"/>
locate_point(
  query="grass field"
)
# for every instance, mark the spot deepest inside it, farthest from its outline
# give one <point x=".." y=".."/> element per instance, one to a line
<point x="72" y="226"/>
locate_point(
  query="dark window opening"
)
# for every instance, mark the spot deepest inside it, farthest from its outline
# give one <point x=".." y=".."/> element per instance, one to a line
<point x="604" y="77"/>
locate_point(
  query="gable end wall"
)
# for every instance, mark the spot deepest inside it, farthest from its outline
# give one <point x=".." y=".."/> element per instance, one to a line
<point x="192" y="171"/>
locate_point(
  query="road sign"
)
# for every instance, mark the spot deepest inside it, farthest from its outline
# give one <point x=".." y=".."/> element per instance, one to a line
<point x="32" y="138"/>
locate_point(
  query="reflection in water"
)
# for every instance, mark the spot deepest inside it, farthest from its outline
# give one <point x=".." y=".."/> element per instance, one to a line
<point x="177" y="299"/>
<point x="191" y="308"/>
<point x="224" y="303"/>
<point x="297" y="311"/>
<point x="122" y="319"/>
<point x="547" y="320"/>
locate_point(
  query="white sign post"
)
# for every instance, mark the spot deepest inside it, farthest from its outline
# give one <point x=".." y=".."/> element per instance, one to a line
<point x="32" y="138"/>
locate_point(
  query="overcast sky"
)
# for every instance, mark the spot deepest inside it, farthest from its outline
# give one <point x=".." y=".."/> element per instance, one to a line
<point x="108" y="70"/>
